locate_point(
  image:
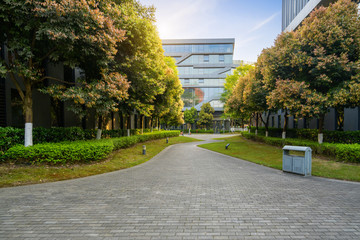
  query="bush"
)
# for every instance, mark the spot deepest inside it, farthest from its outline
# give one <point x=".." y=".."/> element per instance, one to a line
<point x="340" y="152"/>
<point x="61" y="153"/>
<point x="348" y="152"/>
<point x="201" y="131"/>
<point x="77" y="151"/>
<point x="10" y="136"/>
<point x="312" y="134"/>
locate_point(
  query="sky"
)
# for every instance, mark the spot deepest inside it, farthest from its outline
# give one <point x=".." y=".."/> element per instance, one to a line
<point x="253" y="23"/>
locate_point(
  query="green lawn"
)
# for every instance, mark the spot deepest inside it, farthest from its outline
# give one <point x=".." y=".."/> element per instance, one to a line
<point x="271" y="156"/>
<point x="15" y="175"/>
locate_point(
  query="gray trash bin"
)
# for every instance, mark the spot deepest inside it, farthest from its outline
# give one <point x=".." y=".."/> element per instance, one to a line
<point x="297" y="164"/>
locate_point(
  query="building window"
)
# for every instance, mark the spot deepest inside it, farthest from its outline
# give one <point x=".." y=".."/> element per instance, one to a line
<point x="206" y="58"/>
<point x="201" y="80"/>
<point x="186" y="80"/>
<point x="221" y="58"/>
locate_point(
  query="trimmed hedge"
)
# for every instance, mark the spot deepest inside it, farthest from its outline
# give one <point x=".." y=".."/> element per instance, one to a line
<point x="61" y="153"/>
<point x="312" y="134"/>
<point x="77" y="151"/>
<point x="341" y="152"/>
<point x="199" y="131"/>
<point x="10" y="136"/>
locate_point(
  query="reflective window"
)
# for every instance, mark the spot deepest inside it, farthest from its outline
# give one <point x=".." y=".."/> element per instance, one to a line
<point x="221" y="58"/>
<point x="199" y="48"/>
<point x="206" y="58"/>
<point x="201" y="80"/>
<point x="196" y="96"/>
<point x="192" y="71"/>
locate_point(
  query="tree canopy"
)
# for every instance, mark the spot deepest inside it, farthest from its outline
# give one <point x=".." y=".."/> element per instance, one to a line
<point x="37" y="32"/>
<point x="206" y="115"/>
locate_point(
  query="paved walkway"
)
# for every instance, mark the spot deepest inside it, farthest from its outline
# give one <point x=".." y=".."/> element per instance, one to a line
<point x="185" y="192"/>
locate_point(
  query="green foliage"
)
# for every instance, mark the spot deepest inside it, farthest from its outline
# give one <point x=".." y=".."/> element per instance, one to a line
<point x="231" y="80"/>
<point x="60" y="153"/>
<point x="312" y="134"/>
<point x="78" y="151"/>
<point x="190" y="115"/>
<point x="341" y="152"/>
<point x="168" y="105"/>
<point x="10" y="136"/>
<point x="348" y="152"/>
<point x="206" y="115"/>
<point x="201" y="131"/>
<point x="140" y="57"/>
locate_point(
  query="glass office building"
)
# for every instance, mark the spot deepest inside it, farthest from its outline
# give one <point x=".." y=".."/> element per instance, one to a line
<point x="295" y="11"/>
<point x="203" y="65"/>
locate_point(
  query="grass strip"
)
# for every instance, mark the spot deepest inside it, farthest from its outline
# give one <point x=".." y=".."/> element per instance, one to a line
<point x="271" y="156"/>
<point x="16" y="175"/>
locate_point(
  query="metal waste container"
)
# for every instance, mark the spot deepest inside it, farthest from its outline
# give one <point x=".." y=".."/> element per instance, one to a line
<point x="297" y="164"/>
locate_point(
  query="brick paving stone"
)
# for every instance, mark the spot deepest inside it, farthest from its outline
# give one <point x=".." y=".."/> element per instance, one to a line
<point x="185" y="192"/>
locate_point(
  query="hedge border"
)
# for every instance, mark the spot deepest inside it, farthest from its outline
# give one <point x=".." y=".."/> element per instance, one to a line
<point x="77" y="151"/>
<point x="341" y="152"/>
<point x="312" y="134"/>
<point x="10" y="136"/>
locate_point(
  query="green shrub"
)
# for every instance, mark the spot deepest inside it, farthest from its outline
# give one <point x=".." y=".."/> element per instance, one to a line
<point x="61" y="153"/>
<point x="200" y="131"/>
<point x="77" y="151"/>
<point x="10" y="136"/>
<point x="312" y="134"/>
<point x="341" y="152"/>
<point x="348" y="152"/>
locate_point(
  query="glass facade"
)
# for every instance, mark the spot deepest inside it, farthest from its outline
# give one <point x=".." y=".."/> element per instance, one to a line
<point x="199" y="48"/>
<point x="196" y="96"/>
<point x="202" y="65"/>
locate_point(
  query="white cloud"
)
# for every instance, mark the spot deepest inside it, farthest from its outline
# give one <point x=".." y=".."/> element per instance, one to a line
<point x="263" y="23"/>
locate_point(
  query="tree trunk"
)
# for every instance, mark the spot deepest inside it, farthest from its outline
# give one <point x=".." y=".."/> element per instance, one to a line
<point x="152" y="123"/>
<point x="28" y="112"/>
<point x="321" y="126"/>
<point x="121" y="121"/>
<point x="99" y="130"/>
<point x="257" y="123"/>
<point x="266" y="123"/>
<point x="128" y="124"/>
<point x="142" y="123"/>
<point x="112" y="121"/>
<point x="285" y="125"/>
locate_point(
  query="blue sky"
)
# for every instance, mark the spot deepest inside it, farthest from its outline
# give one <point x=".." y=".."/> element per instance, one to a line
<point x="253" y="23"/>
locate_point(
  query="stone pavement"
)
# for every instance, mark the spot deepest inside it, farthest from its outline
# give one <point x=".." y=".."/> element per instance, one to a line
<point x="185" y="192"/>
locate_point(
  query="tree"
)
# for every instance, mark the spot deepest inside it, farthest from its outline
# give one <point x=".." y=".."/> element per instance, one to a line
<point x="325" y="53"/>
<point x="102" y="95"/>
<point x="235" y="105"/>
<point x="168" y="105"/>
<point x="140" y="57"/>
<point x="206" y="115"/>
<point x="230" y="83"/>
<point x="231" y="80"/>
<point x="36" y="32"/>
<point x="190" y="116"/>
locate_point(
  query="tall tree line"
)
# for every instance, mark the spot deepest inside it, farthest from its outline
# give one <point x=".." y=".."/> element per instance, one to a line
<point x="307" y="71"/>
<point x="114" y="42"/>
